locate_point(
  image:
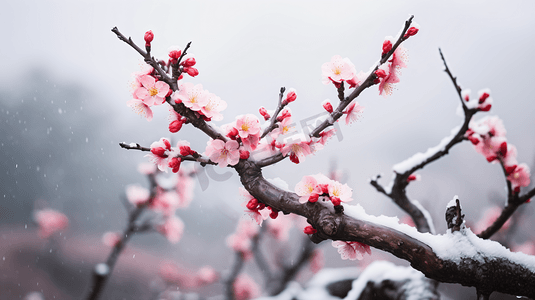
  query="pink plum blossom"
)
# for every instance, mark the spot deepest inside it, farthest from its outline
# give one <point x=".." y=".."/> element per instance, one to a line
<point x="351" y="250"/>
<point x="151" y="92"/>
<point x="137" y="194"/>
<point x="140" y="108"/>
<point x="193" y="96"/>
<point x="386" y="84"/>
<point x="297" y="148"/>
<point x="50" y="221"/>
<point x="245" y="288"/>
<point x="213" y="108"/>
<point x="172" y="229"/>
<point x="342" y="192"/>
<point x="247" y="125"/>
<point x="223" y="153"/>
<point x="353" y="112"/>
<point x="306" y="188"/>
<point x="520" y="177"/>
<point x="337" y="70"/>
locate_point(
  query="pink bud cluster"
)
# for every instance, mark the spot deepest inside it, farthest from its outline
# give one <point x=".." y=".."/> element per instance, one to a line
<point x="488" y="137"/>
<point x="258" y="211"/>
<point x="311" y="188"/>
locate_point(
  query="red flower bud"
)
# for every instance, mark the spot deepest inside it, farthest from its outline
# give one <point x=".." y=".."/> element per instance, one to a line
<point x="175" y="54"/>
<point x="233" y="133"/>
<point x="309" y="230"/>
<point x="263" y="111"/>
<point x="159" y="151"/>
<point x="412" y="177"/>
<point x="510" y="169"/>
<point x="167" y="144"/>
<point x="313" y="197"/>
<point x="291" y="96"/>
<point x="380" y="73"/>
<point x="491" y="158"/>
<point x="474" y="140"/>
<point x="387" y="46"/>
<point x="294" y="158"/>
<point x="149" y="36"/>
<point x="174" y="164"/>
<point x="261" y="206"/>
<point x="336" y="201"/>
<point x="410" y="32"/>
<point x="503" y="149"/>
<point x="328" y="107"/>
<point x="175" y="126"/>
<point x="485" y="108"/>
<point x="274" y="213"/>
<point x="190" y="62"/>
<point x="244" y="154"/>
<point x="191" y="71"/>
<point x="186" y="150"/>
<point x="252" y="204"/>
<point x="483" y="97"/>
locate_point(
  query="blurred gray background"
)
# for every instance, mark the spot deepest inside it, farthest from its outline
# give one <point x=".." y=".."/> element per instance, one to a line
<point x="65" y="81"/>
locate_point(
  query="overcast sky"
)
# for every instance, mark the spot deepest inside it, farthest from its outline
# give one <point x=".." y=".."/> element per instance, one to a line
<point x="247" y="50"/>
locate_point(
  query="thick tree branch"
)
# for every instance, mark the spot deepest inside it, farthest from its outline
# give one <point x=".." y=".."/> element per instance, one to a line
<point x="486" y="272"/>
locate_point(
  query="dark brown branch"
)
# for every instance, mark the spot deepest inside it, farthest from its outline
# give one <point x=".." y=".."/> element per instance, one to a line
<point x="199" y="159"/>
<point x="273" y="121"/>
<point x="497" y="273"/>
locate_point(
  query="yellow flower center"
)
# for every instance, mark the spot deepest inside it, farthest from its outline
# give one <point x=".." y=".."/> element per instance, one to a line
<point x="337" y="71"/>
<point x="245" y="127"/>
<point x="153" y="91"/>
<point x="193" y="99"/>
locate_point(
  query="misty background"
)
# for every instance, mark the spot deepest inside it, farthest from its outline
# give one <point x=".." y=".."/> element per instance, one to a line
<point x="64" y="82"/>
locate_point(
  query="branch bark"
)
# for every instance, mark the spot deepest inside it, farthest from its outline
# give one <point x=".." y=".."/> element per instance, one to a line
<point x="493" y="273"/>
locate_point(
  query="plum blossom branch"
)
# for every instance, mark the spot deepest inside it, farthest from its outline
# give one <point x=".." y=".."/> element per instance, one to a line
<point x="406" y="245"/>
<point x="180" y="108"/>
<point x="368" y="82"/>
